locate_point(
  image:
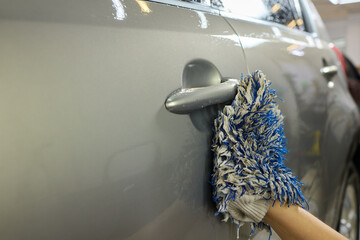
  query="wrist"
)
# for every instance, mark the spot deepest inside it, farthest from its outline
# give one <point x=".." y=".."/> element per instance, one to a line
<point x="271" y="211"/>
<point x="277" y="212"/>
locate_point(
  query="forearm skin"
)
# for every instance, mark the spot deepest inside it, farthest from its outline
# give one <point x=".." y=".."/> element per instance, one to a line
<point x="295" y="223"/>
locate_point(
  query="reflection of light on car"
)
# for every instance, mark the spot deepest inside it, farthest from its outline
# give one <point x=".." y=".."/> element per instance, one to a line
<point x="252" y="42"/>
<point x="299" y="22"/>
<point x="296" y="49"/>
<point x="292" y="41"/>
<point x="315" y="149"/>
<point x="203" y="20"/>
<point x="318" y="43"/>
<point x="336" y="2"/>
<point x="291" y="24"/>
<point x="276" y="31"/>
<point x="206" y="2"/>
<point x="119" y="8"/>
<point x="234" y="38"/>
<point x="275" y="8"/>
<point x="310" y="41"/>
<point x="144" y="6"/>
<point x="331" y="84"/>
<point x="253" y="8"/>
<point x="292" y="47"/>
<point x="298" y="53"/>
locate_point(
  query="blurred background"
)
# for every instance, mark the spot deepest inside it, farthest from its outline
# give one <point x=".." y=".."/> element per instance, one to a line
<point x="343" y="24"/>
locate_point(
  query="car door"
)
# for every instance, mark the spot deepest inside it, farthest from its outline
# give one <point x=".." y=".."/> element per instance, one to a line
<point x="88" y="149"/>
<point x="281" y="39"/>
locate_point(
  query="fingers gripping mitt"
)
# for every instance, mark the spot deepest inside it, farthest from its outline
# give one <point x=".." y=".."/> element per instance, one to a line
<point x="249" y="148"/>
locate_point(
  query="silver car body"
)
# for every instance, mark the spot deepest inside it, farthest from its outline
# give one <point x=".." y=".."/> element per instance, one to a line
<point x="88" y="149"/>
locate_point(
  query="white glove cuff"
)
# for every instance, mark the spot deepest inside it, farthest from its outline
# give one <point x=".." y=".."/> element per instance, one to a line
<point x="248" y="211"/>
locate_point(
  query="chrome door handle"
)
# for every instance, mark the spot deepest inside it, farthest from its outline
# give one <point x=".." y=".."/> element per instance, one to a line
<point x="183" y="101"/>
<point x="329" y="71"/>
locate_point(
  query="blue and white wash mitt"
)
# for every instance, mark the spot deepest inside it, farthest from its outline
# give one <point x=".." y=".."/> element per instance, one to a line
<point x="249" y="148"/>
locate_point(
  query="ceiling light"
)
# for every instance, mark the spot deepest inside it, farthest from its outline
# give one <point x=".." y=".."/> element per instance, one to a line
<point x="336" y="2"/>
<point x="275" y="8"/>
<point x="292" y="24"/>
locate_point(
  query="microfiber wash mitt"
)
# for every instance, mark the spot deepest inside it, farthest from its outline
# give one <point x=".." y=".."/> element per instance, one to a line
<point x="249" y="148"/>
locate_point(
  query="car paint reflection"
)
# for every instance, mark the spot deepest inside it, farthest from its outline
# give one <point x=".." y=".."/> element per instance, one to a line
<point x="203" y="21"/>
<point x="120" y="13"/>
<point x="252" y="42"/>
<point x="144" y="6"/>
<point x="296" y="50"/>
<point x="232" y="37"/>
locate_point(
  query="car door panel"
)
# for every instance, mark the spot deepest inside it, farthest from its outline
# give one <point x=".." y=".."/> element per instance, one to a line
<point x="88" y="149"/>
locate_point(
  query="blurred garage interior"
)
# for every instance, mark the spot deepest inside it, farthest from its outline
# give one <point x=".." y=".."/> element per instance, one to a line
<point x="343" y="24"/>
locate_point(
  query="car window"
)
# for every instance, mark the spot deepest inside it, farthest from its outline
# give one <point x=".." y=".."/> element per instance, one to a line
<point x="285" y="12"/>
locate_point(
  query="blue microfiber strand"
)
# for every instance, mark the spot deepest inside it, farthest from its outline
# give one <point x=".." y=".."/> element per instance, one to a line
<point x="249" y="148"/>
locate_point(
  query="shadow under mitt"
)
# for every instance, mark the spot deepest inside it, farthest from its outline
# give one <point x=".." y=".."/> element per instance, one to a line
<point x="249" y="148"/>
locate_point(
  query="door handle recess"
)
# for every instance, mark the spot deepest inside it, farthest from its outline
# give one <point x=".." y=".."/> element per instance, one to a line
<point x="329" y="71"/>
<point x="183" y="101"/>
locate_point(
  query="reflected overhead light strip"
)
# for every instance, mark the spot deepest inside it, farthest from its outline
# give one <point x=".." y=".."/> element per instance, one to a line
<point x="296" y="50"/>
<point x="232" y="37"/>
<point x="276" y="31"/>
<point x="336" y="2"/>
<point x="253" y="8"/>
<point x="292" y="41"/>
<point x="252" y="42"/>
<point x="144" y="6"/>
<point x="292" y="47"/>
<point x="120" y="13"/>
<point x="203" y="20"/>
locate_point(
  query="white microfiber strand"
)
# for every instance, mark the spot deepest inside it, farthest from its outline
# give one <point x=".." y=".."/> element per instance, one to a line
<point x="249" y="148"/>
